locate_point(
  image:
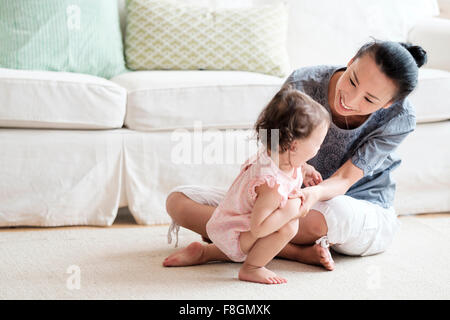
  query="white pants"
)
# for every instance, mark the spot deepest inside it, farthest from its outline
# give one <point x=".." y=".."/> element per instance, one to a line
<point x="355" y="227"/>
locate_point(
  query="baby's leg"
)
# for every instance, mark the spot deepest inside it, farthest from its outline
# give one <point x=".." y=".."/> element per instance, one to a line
<point x="263" y="251"/>
<point x="246" y="241"/>
<point x="193" y="254"/>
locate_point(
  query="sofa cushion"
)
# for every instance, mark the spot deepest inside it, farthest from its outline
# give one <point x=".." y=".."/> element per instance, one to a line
<point x="434" y="35"/>
<point x="45" y="99"/>
<point x="430" y="98"/>
<point x="172" y="99"/>
<point x="80" y="36"/>
<point x="174" y="35"/>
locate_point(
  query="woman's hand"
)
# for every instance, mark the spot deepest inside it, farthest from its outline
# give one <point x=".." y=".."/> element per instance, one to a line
<point x="310" y="197"/>
<point x="311" y="176"/>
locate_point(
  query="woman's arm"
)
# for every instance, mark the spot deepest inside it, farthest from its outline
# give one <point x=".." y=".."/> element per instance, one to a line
<point x="364" y="160"/>
<point x="339" y="183"/>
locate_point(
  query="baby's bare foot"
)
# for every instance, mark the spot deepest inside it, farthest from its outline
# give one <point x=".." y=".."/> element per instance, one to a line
<point x="259" y="274"/>
<point x="189" y="256"/>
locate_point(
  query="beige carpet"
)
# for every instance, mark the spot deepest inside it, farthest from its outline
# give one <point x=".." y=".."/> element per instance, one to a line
<point x="124" y="262"/>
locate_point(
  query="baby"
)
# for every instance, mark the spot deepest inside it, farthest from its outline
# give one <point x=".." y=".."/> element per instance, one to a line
<point x="260" y="212"/>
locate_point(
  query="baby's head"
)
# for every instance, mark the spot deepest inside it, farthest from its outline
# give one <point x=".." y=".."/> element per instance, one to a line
<point x="300" y="123"/>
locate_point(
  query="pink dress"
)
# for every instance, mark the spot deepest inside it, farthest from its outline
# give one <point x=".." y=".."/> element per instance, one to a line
<point x="232" y="216"/>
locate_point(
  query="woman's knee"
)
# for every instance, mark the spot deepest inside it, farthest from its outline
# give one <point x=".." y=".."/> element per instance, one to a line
<point x="315" y="224"/>
<point x="174" y="204"/>
<point x="345" y="219"/>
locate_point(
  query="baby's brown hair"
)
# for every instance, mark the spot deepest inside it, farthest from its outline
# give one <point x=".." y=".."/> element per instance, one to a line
<point x="293" y="113"/>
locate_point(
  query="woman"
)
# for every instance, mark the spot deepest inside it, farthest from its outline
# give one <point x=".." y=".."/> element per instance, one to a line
<point x="352" y="206"/>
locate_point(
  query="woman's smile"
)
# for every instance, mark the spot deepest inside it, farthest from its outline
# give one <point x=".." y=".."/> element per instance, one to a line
<point x="343" y="106"/>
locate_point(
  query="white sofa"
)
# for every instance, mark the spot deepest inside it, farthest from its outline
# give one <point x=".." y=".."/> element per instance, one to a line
<point x="75" y="148"/>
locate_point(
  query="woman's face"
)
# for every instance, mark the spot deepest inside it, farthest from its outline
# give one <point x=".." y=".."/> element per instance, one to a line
<point x="363" y="89"/>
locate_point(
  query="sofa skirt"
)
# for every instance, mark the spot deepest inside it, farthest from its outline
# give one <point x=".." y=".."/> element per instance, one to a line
<point x="59" y="177"/>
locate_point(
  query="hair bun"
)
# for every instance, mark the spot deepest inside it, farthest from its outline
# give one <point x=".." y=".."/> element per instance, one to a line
<point x="418" y="53"/>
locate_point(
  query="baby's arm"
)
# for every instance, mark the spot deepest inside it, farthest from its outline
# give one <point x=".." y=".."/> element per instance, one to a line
<point x="266" y="218"/>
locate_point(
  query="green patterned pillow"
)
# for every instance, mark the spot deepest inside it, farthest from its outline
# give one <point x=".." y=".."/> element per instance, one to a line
<point x="172" y="35"/>
<point x="80" y="36"/>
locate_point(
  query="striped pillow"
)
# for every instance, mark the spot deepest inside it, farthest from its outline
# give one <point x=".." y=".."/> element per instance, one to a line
<point x="80" y="36"/>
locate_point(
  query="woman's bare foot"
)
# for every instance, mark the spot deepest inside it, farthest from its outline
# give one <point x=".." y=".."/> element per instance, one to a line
<point x="317" y="255"/>
<point x="259" y="274"/>
<point x="189" y="256"/>
<point x="310" y="254"/>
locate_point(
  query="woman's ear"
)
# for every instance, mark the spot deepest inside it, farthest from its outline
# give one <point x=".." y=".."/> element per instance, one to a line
<point x="350" y="62"/>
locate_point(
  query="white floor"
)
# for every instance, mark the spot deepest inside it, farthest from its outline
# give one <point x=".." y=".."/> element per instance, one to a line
<point x="124" y="262"/>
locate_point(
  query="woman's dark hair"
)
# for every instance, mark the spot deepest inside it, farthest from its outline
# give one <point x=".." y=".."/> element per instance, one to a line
<point x="293" y="113"/>
<point x="397" y="60"/>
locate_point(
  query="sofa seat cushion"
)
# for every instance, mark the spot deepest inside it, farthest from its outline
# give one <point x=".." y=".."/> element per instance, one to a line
<point x="173" y="99"/>
<point x="430" y="98"/>
<point x="47" y="99"/>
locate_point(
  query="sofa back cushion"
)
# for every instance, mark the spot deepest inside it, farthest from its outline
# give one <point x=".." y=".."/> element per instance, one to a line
<point x="331" y="32"/>
<point x="80" y="36"/>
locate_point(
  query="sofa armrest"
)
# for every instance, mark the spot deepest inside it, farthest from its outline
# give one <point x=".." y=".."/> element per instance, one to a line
<point x="444" y="7"/>
<point x="434" y="36"/>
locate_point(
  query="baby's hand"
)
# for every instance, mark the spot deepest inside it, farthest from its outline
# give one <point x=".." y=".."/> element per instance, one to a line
<point x="293" y="206"/>
<point x="302" y="195"/>
<point x="311" y="176"/>
<point x="296" y="194"/>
